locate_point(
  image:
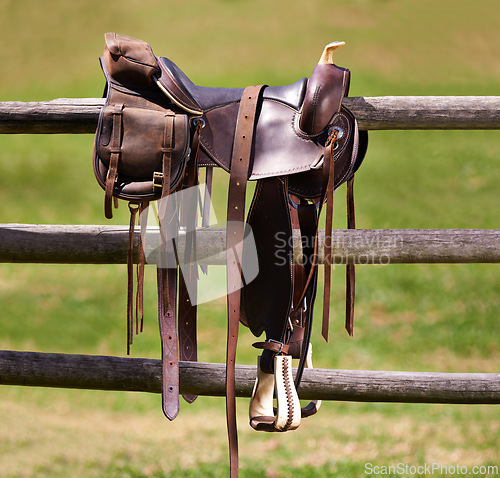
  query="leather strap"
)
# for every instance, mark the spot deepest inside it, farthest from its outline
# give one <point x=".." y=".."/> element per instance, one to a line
<point x="167" y="288"/>
<point x="169" y="345"/>
<point x="189" y="277"/>
<point x="167" y="147"/>
<point x="240" y="167"/>
<point x="187" y="324"/>
<point x="350" y="268"/>
<point x="116" y="139"/>
<point x="273" y="346"/>
<point x="329" y="160"/>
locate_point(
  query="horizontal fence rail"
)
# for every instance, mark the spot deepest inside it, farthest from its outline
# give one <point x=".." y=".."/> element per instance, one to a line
<point x="199" y="378"/>
<point x="29" y="243"/>
<point x="79" y="115"/>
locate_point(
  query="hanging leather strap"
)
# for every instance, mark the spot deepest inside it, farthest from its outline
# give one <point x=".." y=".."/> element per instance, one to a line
<point x="169" y="345"/>
<point x="350" y="268"/>
<point x="240" y="167"/>
<point x="189" y="272"/>
<point x="187" y="323"/>
<point x="167" y="287"/>
<point x="328" y="232"/>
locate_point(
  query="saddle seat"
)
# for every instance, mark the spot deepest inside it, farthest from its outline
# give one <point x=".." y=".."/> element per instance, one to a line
<point x="281" y="147"/>
<point x="200" y="99"/>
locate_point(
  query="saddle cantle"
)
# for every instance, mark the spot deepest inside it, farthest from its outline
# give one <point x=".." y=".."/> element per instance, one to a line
<point x="156" y="130"/>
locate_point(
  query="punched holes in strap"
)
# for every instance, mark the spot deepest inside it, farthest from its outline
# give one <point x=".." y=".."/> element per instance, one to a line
<point x="240" y="165"/>
<point x="167" y="279"/>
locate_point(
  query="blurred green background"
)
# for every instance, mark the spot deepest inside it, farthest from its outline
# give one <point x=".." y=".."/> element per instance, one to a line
<point x="408" y="317"/>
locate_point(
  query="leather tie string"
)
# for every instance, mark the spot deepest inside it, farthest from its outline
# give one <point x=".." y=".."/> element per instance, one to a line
<point x="134" y="208"/>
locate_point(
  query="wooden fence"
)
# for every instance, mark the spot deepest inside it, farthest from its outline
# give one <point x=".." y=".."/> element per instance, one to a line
<point x="108" y="244"/>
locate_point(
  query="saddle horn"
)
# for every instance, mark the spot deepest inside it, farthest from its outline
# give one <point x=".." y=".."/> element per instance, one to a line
<point x="327" y="55"/>
<point x="326" y="88"/>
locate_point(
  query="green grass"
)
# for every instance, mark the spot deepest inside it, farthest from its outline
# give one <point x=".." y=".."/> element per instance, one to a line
<point x="432" y="317"/>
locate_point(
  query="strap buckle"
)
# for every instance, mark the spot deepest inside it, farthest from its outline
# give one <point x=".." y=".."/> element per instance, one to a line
<point x="157" y="180"/>
<point x="277" y="342"/>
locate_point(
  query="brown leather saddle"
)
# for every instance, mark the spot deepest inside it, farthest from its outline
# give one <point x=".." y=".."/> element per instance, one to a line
<point x="155" y="133"/>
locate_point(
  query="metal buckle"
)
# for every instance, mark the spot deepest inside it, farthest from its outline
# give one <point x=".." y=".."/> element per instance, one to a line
<point x="157" y="180"/>
<point x="277" y="342"/>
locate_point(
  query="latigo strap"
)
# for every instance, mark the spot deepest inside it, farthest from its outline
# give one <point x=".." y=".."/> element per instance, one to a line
<point x="169" y="343"/>
<point x="240" y="166"/>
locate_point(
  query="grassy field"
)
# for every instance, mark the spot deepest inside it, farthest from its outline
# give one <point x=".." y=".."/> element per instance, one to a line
<point x="408" y="317"/>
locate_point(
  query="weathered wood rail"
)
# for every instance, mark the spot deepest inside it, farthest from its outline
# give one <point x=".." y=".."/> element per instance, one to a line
<point x="107" y="244"/>
<point x="79" y="115"/>
<point x="80" y="244"/>
<point x="144" y="375"/>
